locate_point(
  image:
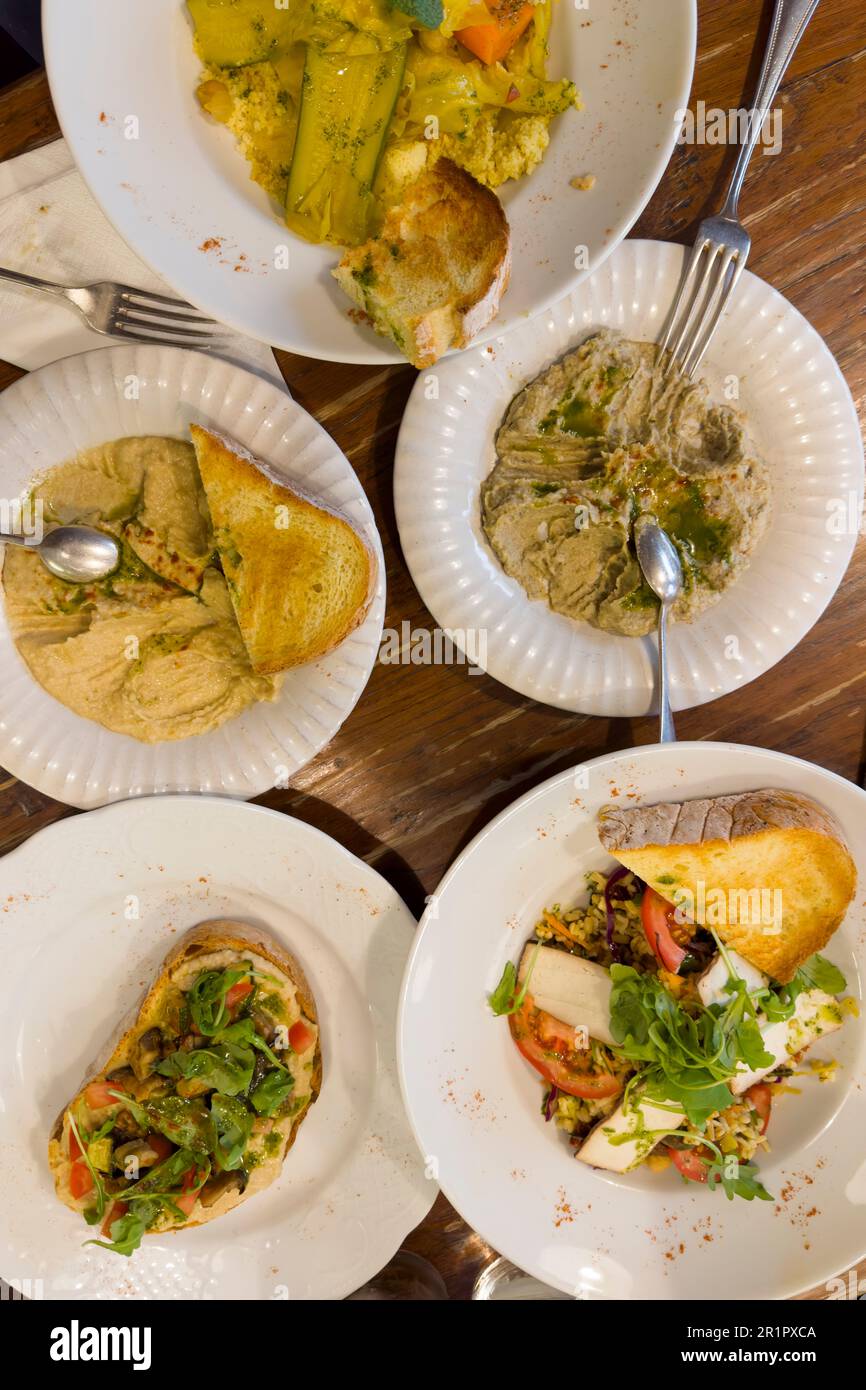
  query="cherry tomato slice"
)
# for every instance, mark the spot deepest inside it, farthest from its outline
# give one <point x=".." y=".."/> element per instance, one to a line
<point x="300" y="1036"/>
<point x="657" y="916"/>
<point x="760" y="1097"/>
<point x="548" y="1046"/>
<point x="114" y="1213"/>
<point x="80" y="1179"/>
<point x="690" y="1164"/>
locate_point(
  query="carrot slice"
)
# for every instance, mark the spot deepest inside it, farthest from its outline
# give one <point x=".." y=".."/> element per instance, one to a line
<point x="490" y="42"/>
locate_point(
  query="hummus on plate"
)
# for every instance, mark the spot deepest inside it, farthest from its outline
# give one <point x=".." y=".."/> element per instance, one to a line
<point x="153" y="651"/>
<point x="595" y="442"/>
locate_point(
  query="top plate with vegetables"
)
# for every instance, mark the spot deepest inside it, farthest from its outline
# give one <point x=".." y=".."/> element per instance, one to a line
<point x="681" y="1028"/>
<point x="387" y="88"/>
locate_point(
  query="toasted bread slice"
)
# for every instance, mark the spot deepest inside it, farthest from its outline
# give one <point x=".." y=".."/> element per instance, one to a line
<point x="213" y="945"/>
<point x="434" y="276"/>
<point x="769" y="870"/>
<point x="300" y="576"/>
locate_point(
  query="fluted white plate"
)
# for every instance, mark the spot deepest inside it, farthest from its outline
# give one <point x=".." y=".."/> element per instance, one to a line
<point x="475" y="1105"/>
<point x="45" y="418"/>
<point x="173" y="182"/>
<point x="803" y="422"/>
<point x="91" y="906"/>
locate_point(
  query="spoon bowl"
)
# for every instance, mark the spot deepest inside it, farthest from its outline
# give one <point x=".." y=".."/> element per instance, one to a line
<point x="77" y="554"/>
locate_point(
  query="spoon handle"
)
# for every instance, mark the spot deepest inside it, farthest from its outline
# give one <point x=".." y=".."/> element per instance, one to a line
<point x="6" y="539"/>
<point x="667" y="733"/>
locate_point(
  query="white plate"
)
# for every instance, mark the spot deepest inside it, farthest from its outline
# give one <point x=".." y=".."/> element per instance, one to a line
<point x="83" y="401"/>
<point x="475" y="1104"/>
<point x="75" y="959"/>
<point x="180" y="183"/>
<point x="804" y="424"/>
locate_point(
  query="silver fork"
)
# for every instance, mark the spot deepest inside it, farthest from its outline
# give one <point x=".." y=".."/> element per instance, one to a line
<point x="121" y="311"/>
<point x="722" y="246"/>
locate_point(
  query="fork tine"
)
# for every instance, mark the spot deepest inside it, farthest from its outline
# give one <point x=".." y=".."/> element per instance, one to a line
<point x="727" y="284"/>
<point x="167" y="337"/>
<point x="710" y="290"/>
<point x="686" y="293"/>
<point x="156" y="316"/>
<point x="696" y="309"/>
<point x="132" y="295"/>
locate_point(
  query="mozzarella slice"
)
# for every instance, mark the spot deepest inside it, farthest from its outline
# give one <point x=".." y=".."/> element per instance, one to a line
<point x="575" y="991"/>
<point x="713" y="984"/>
<point x="815" y="1015"/>
<point x="639" y="1121"/>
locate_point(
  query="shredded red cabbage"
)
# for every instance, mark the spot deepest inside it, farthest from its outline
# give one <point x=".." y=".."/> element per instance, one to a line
<point x="618" y="873"/>
<point x="550" y="1103"/>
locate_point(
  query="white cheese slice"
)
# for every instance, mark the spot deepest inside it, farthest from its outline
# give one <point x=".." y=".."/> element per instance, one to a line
<point x="816" y="1014"/>
<point x="638" y="1120"/>
<point x="713" y="984"/>
<point x="575" y="991"/>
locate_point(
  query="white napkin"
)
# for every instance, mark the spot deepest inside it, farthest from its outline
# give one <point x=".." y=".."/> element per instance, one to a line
<point x="51" y="227"/>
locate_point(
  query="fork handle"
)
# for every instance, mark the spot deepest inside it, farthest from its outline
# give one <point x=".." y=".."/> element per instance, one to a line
<point x="790" y="19"/>
<point x="30" y="282"/>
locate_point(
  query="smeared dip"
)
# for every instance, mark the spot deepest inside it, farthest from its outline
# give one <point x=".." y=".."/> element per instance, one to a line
<point x="153" y="651"/>
<point x="598" y="440"/>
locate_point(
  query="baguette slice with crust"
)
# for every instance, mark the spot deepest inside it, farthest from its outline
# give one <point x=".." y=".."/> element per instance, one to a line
<point x="751" y="842"/>
<point x="211" y="945"/>
<point x="300" y="576"/>
<point x="434" y="276"/>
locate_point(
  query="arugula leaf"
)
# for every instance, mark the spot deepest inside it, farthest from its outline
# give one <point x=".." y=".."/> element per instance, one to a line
<point x="165" y="1175"/>
<point x="223" y="1066"/>
<point x="429" y="13"/>
<point x="207" y="998"/>
<point x="234" y="1125"/>
<point x="506" y="998"/>
<point x="743" y="1182"/>
<point x="819" y="973"/>
<point x="815" y="973"/>
<point x="126" y="1232"/>
<point x="271" y="1091"/>
<point x="183" y="1120"/>
<point x="689" y="1057"/>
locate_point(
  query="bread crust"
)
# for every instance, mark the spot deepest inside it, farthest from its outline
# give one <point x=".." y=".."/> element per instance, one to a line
<point x="793" y="837"/>
<point x="252" y="472"/>
<point x="219" y="934"/>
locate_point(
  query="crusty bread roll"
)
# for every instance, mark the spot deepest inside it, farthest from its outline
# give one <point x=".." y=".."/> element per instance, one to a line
<point x="770" y="842"/>
<point x="211" y="945"/>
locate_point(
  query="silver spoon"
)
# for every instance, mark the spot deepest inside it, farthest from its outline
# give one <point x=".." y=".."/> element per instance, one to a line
<point x="658" y="558"/>
<point x="78" y="554"/>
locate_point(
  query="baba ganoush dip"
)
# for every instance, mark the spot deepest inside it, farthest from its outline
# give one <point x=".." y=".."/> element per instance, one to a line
<point x="598" y="440"/>
<point x="153" y="650"/>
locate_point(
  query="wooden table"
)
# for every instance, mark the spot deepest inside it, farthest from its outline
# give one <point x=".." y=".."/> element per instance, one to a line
<point x="430" y="754"/>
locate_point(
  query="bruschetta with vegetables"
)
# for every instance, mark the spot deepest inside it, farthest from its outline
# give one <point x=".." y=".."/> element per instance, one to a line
<point x="666" y="1013"/>
<point x="201" y="1093"/>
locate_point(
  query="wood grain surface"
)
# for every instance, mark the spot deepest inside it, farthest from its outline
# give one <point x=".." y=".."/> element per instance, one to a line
<point x="431" y="754"/>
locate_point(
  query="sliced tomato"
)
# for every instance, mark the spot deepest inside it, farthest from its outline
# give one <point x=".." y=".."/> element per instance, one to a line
<point x="75" y="1149"/>
<point x="238" y="993"/>
<point x="99" y="1094"/>
<point x="760" y="1097"/>
<point x="114" y="1213"/>
<point x="161" y="1146"/>
<point x="187" y="1200"/>
<point x="80" y="1179"/>
<point x="658" y="917"/>
<point x="301" y="1036"/>
<point x="548" y="1046"/>
<point x="690" y="1164"/>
